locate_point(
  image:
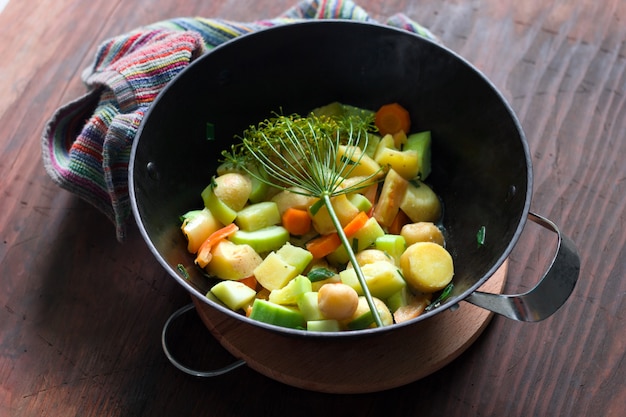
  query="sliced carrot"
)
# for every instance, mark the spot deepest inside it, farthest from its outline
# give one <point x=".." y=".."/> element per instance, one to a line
<point x="355" y="224"/>
<point x="296" y="221"/>
<point x="396" y="225"/>
<point x="392" y="118"/>
<point x="203" y="257"/>
<point x="323" y="245"/>
<point x="326" y="244"/>
<point x="250" y="282"/>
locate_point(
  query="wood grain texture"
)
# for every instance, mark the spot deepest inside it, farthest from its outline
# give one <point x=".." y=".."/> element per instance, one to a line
<point x="81" y="314"/>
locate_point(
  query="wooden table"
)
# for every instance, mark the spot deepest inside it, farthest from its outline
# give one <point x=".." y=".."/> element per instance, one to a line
<point x="81" y="314"/>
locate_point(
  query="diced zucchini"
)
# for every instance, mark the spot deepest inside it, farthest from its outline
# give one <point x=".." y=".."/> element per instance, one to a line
<point x="364" y="321"/>
<point x="296" y="256"/>
<point x="307" y="304"/>
<point x="290" y="293"/>
<point x="365" y="238"/>
<point x="234" y="294"/>
<point x="386" y="142"/>
<point x="276" y="314"/>
<point x="218" y="208"/>
<point x="401" y="298"/>
<point x="258" y="216"/>
<point x="421" y="143"/>
<point x="360" y="202"/>
<point x="393" y="245"/>
<point x="263" y="240"/>
<point x="323" y="326"/>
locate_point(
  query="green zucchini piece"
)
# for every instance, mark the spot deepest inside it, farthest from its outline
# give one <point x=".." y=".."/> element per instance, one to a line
<point x="277" y="315"/>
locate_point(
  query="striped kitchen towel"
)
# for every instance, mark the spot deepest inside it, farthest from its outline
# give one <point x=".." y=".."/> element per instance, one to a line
<point x="86" y="143"/>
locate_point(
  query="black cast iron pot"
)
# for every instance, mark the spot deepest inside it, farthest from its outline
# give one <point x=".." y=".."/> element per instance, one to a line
<point x="481" y="166"/>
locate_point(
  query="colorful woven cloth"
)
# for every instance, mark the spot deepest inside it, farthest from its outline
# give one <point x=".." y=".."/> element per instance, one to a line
<point x="86" y="144"/>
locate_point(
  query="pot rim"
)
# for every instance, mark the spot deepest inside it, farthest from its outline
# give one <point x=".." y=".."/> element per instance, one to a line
<point x="449" y="303"/>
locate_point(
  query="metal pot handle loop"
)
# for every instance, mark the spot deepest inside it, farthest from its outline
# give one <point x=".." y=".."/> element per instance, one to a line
<point x="549" y="294"/>
<point x="180" y="366"/>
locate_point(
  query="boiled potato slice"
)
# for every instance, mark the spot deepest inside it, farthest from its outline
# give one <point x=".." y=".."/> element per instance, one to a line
<point x="420" y="203"/>
<point x="427" y="267"/>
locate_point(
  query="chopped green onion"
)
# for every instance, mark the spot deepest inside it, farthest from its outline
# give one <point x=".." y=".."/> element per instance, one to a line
<point x="480" y="236"/>
<point x="445" y="293"/>
<point x="181" y="268"/>
<point x="210" y="131"/>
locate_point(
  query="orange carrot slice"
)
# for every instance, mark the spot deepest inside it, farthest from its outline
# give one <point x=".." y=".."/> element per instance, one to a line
<point x="326" y="244"/>
<point x="392" y="118"/>
<point x="296" y="221"/>
<point x="323" y="245"/>
<point x="203" y="257"/>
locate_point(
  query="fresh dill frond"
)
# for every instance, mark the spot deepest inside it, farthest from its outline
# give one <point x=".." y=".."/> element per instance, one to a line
<point x="301" y="153"/>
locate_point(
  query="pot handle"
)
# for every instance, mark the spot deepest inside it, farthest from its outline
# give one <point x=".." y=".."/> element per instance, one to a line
<point x="184" y="368"/>
<point x="549" y="294"/>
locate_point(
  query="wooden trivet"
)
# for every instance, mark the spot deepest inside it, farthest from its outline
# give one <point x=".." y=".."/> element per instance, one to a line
<point x="355" y="365"/>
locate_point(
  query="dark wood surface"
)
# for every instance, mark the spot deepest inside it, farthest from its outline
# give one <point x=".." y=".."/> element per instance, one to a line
<point x="81" y="314"/>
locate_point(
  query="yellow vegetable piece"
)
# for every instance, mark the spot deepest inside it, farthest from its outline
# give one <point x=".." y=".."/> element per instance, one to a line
<point x="231" y="261"/>
<point x="362" y="165"/>
<point x="337" y="301"/>
<point x="427" y="266"/>
<point x="420" y="203"/>
<point x="405" y="163"/>
<point x="344" y="209"/>
<point x="391" y="196"/>
<point x="199" y="228"/>
<point x="274" y="273"/>
<point x="233" y="189"/>
<point x="383" y="279"/>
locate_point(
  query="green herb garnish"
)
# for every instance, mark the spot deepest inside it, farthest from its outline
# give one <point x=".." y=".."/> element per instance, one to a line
<point x="445" y="293"/>
<point x="320" y="274"/>
<point x="480" y="236"/>
<point x="301" y="152"/>
<point x="181" y="268"/>
<point x="210" y="131"/>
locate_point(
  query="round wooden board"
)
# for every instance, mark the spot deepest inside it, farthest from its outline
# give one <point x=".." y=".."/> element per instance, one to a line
<point x="355" y="365"/>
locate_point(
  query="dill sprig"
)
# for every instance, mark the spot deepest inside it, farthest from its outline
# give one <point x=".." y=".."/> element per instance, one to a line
<point x="301" y="153"/>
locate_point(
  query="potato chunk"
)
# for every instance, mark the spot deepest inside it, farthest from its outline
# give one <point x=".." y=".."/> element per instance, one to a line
<point x="231" y="261"/>
<point x="427" y="266"/>
<point x="233" y="189"/>
<point x="422" y="232"/>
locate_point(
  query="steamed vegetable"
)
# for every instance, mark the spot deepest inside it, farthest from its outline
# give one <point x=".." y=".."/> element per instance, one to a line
<point x="323" y="222"/>
<point x="392" y="118"/>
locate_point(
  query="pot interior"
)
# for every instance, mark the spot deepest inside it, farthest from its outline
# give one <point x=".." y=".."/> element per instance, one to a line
<point x="480" y="166"/>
